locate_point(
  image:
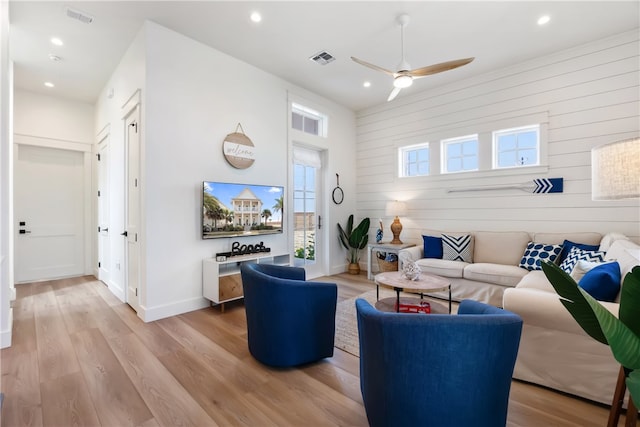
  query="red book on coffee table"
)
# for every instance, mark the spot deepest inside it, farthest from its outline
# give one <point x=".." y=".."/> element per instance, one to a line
<point x="417" y="307"/>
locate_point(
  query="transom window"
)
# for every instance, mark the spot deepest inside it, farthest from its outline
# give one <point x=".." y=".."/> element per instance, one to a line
<point x="460" y="154"/>
<point x="517" y="147"/>
<point x="307" y="120"/>
<point x="414" y="160"/>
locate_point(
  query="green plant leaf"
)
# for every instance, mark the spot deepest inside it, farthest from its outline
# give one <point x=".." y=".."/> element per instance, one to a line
<point x="629" y="312"/>
<point x="633" y="384"/>
<point x="625" y="345"/>
<point x="343" y="237"/>
<point x="354" y="239"/>
<point x="574" y="301"/>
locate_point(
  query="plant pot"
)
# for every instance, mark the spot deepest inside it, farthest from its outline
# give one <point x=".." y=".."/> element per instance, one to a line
<point x="354" y="268"/>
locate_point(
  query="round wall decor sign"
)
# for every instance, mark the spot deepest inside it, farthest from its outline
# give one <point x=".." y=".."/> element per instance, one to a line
<point x="238" y="149"/>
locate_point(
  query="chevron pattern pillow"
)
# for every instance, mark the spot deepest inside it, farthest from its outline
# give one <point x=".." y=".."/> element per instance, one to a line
<point x="457" y="248"/>
<point x="576" y="254"/>
<point x="538" y="252"/>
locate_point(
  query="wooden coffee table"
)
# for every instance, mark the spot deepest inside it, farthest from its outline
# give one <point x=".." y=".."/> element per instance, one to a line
<point x="426" y="283"/>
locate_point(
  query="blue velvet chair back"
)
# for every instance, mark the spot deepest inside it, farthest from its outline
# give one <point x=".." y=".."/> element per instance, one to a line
<point x="289" y="321"/>
<point x="437" y="369"/>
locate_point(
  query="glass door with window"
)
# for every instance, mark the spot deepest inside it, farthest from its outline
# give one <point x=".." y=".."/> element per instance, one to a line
<point x="306" y="212"/>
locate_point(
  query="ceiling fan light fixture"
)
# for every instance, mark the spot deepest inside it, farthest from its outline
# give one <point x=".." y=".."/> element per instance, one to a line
<point x="402" y="81"/>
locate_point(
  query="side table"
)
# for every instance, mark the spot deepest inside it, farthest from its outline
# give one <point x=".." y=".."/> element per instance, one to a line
<point x="386" y="247"/>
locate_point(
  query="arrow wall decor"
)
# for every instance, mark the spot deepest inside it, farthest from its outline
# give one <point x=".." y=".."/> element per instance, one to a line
<point x="538" y="185"/>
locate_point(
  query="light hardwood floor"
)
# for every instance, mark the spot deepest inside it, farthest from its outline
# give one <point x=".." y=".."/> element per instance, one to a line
<point x="81" y="357"/>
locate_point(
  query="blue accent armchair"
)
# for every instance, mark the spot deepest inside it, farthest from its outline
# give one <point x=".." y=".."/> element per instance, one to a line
<point x="290" y="321"/>
<point x="437" y="369"/>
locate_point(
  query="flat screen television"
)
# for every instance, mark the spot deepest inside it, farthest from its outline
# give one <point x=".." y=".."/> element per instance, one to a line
<point x="234" y="210"/>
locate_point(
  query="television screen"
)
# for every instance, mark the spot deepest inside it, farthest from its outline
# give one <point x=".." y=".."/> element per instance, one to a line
<point x="232" y="210"/>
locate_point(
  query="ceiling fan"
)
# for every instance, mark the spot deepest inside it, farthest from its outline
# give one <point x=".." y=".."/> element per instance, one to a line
<point x="405" y="75"/>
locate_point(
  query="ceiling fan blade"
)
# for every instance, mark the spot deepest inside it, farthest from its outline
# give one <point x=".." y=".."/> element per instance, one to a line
<point x="439" y="68"/>
<point x="375" y="67"/>
<point x="393" y="94"/>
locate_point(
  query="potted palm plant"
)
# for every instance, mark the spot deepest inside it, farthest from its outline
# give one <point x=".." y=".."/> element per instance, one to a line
<point x="354" y="240"/>
<point x="621" y="334"/>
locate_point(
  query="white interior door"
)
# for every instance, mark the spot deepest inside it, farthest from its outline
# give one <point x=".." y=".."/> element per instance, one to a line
<point x="307" y="211"/>
<point x="49" y="186"/>
<point x="104" y="248"/>
<point x="132" y="214"/>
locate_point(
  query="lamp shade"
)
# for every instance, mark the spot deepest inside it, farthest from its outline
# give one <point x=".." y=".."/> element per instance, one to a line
<point x="396" y="208"/>
<point x="615" y="170"/>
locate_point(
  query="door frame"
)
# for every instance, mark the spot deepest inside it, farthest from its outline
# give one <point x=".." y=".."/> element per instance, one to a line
<point x="131" y="107"/>
<point x="86" y="149"/>
<point x="103" y="143"/>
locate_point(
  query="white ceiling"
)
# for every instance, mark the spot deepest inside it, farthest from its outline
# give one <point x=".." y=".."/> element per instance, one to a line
<point x="497" y="34"/>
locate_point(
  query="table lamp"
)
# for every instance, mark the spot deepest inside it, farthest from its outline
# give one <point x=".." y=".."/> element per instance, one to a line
<point x="615" y="170"/>
<point x="396" y="209"/>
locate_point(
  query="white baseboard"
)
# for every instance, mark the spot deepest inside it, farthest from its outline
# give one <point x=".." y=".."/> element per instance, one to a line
<point x="116" y="290"/>
<point x="173" y="309"/>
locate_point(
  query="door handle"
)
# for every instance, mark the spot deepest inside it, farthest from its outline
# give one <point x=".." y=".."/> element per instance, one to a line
<point x="24" y="231"/>
<point x="319" y="222"/>
<point x="105" y="229"/>
<point x="125" y="234"/>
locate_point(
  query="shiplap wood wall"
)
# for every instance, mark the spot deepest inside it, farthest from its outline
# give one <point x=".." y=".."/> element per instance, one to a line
<point x="584" y="97"/>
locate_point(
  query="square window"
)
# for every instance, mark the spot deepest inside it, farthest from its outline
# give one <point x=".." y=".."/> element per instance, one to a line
<point x="516" y="147"/>
<point x="414" y="160"/>
<point x="460" y="154"/>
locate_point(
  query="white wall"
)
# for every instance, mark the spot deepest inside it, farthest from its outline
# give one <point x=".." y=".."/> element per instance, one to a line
<point x="590" y="96"/>
<point x="193" y="96"/>
<point x="7" y="291"/>
<point x="51" y="117"/>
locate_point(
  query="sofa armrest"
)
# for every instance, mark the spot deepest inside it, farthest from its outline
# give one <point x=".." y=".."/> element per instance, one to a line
<point x="544" y="309"/>
<point x="414" y="253"/>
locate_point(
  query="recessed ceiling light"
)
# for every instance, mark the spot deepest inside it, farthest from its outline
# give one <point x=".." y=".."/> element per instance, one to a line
<point x="49" y="84"/>
<point x="366" y="84"/>
<point x="56" y="41"/>
<point x="256" y="17"/>
<point x="544" y="19"/>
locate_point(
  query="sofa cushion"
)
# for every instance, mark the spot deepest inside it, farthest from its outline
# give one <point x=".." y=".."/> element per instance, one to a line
<point x="626" y="252"/>
<point x="442" y="267"/>
<point x="499" y="247"/>
<point x="536" y="252"/>
<point x="457" y="248"/>
<point x="576" y="254"/>
<point x="568" y="244"/>
<point x="432" y="246"/>
<point x="499" y="274"/>
<point x="586" y="238"/>
<point x="602" y="282"/>
<point x="536" y="280"/>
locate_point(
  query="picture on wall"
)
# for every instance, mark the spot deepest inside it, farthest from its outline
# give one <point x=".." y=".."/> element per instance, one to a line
<point x="235" y="210"/>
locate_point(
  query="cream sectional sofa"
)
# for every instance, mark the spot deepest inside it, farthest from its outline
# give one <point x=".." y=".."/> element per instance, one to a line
<point x="496" y="256"/>
<point x="554" y="351"/>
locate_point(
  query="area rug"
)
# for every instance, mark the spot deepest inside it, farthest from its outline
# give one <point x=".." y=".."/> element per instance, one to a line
<point x="347" y="325"/>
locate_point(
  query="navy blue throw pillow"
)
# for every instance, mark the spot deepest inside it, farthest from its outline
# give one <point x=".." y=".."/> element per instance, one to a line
<point x="538" y="252"/>
<point x="432" y="247"/>
<point x="568" y="244"/>
<point x="602" y="282"/>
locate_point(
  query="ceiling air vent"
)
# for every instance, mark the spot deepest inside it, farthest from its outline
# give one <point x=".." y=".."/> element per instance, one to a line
<point x="322" y="58"/>
<point x="79" y="15"/>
